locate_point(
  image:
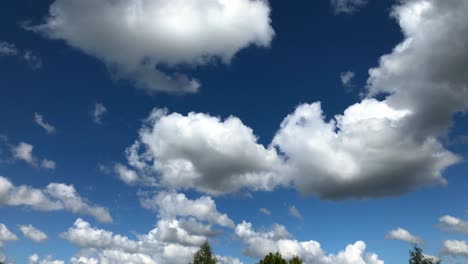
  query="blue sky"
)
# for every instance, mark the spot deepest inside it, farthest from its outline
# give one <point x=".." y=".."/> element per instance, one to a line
<point x="134" y="130"/>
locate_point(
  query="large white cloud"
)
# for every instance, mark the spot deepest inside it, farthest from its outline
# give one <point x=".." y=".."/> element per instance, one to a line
<point x="261" y="243"/>
<point x="403" y="235"/>
<point x="6" y="235"/>
<point x="56" y="196"/>
<point x="203" y="152"/>
<point x="33" y="233"/>
<point x="134" y="37"/>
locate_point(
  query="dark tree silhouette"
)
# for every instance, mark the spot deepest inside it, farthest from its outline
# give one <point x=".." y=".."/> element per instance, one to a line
<point x="276" y="258"/>
<point x="417" y="257"/>
<point x="204" y="255"/>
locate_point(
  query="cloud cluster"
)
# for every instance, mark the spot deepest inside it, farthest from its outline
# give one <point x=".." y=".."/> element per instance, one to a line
<point x="24" y="151"/>
<point x="34" y="259"/>
<point x="135" y="38"/>
<point x="376" y="147"/>
<point x="451" y="223"/>
<point x="56" y="196"/>
<point x="28" y="56"/>
<point x="403" y="235"/>
<point x="33" y="233"/>
<point x="278" y="239"/>
<point x="6" y="235"/>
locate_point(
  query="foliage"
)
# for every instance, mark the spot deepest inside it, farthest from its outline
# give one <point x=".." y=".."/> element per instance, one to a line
<point x="417" y="257"/>
<point x="276" y="258"/>
<point x="204" y="255"/>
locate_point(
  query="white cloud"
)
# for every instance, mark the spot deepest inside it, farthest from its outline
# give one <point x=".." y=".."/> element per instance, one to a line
<point x="265" y="211"/>
<point x="56" y="196"/>
<point x="98" y="111"/>
<point x="133" y="38"/>
<point x="455" y="248"/>
<point x="39" y="119"/>
<point x="203" y="152"/>
<point x="294" y="212"/>
<point x="8" y="49"/>
<point x="278" y="239"/>
<point x="347" y="78"/>
<point x="403" y="235"/>
<point x="34" y="259"/>
<point x="33" y="233"/>
<point x="347" y="6"/>
<point x="365" y="152"/>
<point x="6" y="235"/>
<point x="167" y="243"/>
<point x="24" y="151"/>
<point x="28" y="56"/>
<point x="170" y="205"/>
<point x="451" y="223"/>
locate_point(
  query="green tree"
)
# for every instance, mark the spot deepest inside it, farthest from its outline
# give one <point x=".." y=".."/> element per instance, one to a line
<point x="417" y="257"/>
<point x="204" y="255"/>
<point x="276" y="258"/>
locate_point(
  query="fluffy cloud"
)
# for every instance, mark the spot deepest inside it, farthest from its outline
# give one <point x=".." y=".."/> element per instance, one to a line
<point x="451" y="223"/>
<point x="39" y="119"/>
<point x="403" y="235"/>
<point x="375" y="148"/>
<point x="170" y="205"/>
<point x="168" y="243"/>
<point x="33" y="233"/>
<point x="34" y="259"/>
<point x="347" y="6"/>
<point x="98" y="111"/>
<point x="6" y="235"/>
<point x="213" y="155"/>
<point x="278" y="239"/>
<point x="23" y="151"/>
<point x="455" y="248"/>
<point x="56" y="196"/>
<point x="135" y="37"/>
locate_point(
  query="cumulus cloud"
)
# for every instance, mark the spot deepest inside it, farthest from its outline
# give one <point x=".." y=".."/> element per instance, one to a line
<point x="278" y="239"/>
<point x="455" y="248"/>
<point x="403" y="235"/>
<point x="168" y="243"/>
<point x="376" y="147"/>
<point x="33" y="233"/>
<point x="135" y="38"/>
<point x="24" y="151"/>
<point x="34" y="259"/>
<point x="347" y="6"/>
<point x="6" y="235"/>
<point x="170" y="205"/>
<point x="213" y="155"/>
<point x="98" y="112"/>
<point x="451" y="223"/>
<point x="294" y="212"/>
<point x="56" y="196"/>
<point x="27" y="56"/>
<point x="39" y="119"/>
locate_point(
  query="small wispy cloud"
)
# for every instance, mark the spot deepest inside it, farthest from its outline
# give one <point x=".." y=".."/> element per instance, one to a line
<point x="347" y="6"/>
<point x="403" y="235"/>
<point x="347" y="78"/>
<point x="39" y="119"/>
<point x="265" y="211"/>
<point x="98" y="112"/>
<point x="28" y="56"/>
<point x="294" y="212"/>
<point x="24" y="151"/>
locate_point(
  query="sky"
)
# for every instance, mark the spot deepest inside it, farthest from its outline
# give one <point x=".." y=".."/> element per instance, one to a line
<point x="133" y="131"/>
